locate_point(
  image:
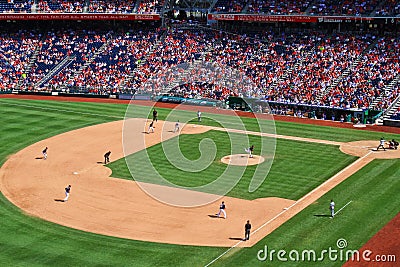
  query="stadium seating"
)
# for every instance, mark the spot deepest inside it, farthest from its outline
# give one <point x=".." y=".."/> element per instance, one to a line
<point x="274" y="7"/>
<point x="15" y="6"/>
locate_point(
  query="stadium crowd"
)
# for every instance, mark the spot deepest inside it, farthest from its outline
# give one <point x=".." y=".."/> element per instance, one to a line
<point x="306" y="67"/>
<point x="297" y="68"/>
<point x="271" y="7"/>
<point x="274" y="7"/>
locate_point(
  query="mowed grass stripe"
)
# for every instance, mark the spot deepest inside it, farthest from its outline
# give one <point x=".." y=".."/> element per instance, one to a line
<point x="296" y="169"/>
<point x="27" y="241"/>
<point x="34" y="242"/>
<point x="374" y="194"/>
<point x="35" y="125"/>
<point x="283" y="128"/>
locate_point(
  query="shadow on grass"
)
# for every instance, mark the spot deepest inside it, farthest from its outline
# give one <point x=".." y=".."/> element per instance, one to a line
<point x="322" y="215"/>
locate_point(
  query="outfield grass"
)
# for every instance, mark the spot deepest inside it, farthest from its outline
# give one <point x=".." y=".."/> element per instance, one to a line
<point x="27" y="241"/>
<point x="374" y="195"/>
<point x="117" y="111"/>
<point x="295" y="171"/>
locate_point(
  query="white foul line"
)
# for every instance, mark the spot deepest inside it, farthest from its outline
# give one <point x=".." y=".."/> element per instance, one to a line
<point x="343" y="207"/>
<point x="229" y="249"/>
<point x="295" y="203"/>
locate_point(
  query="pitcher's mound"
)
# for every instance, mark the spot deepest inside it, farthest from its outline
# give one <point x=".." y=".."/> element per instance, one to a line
<point x="242" y="160"/>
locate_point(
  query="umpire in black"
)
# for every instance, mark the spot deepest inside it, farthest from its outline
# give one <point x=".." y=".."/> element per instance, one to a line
<point x="107" y="157"/>
<point x="247" y="228"/>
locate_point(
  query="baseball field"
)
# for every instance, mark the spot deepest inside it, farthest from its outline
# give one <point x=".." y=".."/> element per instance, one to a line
<point x="110" y="221"/>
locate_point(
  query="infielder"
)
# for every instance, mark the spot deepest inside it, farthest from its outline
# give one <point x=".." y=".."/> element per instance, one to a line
<point x="107" y="157"/>
<point x="151" y="127"/>
<point x="44" y="152"/>
<point x="67" y="190"/>
<point x="222" y="210"/>
<point x="176" y="127"/>
<point x="199" y="116"/>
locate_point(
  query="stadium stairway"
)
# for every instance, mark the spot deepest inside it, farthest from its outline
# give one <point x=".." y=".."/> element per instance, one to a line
<point x="63" y="64"/>
<point x="386" y="90"/>
<point x="142" y="62"/>
<point x="289" y="71"/>
<point x="29" y="65"/>
<point x="137" y="4"/>
<point x="212" y="6"/>
<point x="344" y="74"/>
<point x="392" y="109"/>
<point x="87" y="63"/>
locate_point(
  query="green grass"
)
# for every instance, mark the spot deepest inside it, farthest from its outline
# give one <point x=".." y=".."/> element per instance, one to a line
<point x="296" y="168"/>
<point x="27" y="241"/>
<point x="117" y="111"/>
<point x="374" y="195"/>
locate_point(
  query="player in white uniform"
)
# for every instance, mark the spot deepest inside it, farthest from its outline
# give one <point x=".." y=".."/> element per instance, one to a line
<point x="222" y="210"/>
<point x="332" y="208"/>
<point x="151" y="127"/>
<point x="44" y="152"/>
<point x="67" y="190"/>
<point x="381" y="144"/>
<point x="250" y="151"/>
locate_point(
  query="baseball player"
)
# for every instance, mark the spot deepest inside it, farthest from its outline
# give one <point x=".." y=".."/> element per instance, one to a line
<point x="222" y="210"/>
<point x="250" y="151"/>
<point x="151" y="127"/>
<point x="176" y="127"/>
<point x="67" y="191"/>
<point x="155" y="115"/>
<point x="44" y="152"/>
<point x="381" y="144"/>
<point x="332" y="208"/>
<point x="107" y="157"/>
<point x="199" y="116"/>
<point x="247" y="228"/>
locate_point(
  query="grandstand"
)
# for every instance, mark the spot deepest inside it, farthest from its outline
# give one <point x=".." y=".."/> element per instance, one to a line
<point x="342" y="56"/>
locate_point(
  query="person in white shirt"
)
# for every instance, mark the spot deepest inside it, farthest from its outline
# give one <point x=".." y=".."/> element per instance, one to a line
<point x="332" y="208"/>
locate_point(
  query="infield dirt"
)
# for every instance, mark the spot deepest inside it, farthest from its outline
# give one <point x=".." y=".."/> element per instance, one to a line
<point x="120" y="208"/>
